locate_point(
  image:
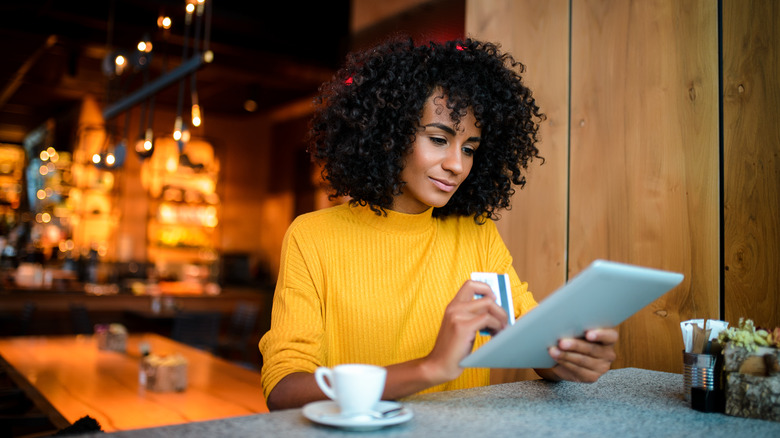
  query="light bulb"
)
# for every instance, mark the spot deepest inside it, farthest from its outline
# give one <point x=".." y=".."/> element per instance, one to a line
<point x="196" y="117"/>
<point x="119" y="62"/>
<point x="164" y="22"/>
<point x="148" y="139"/>
<point x="145" y="46"/>
<point x="177" y="128"/>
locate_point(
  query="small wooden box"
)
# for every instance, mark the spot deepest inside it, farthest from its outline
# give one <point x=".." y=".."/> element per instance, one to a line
<point x="164" y="373"/>
<point x="749" y="391"/>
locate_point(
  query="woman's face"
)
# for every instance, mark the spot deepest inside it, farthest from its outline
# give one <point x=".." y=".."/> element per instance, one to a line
<point x="440" y="159"/>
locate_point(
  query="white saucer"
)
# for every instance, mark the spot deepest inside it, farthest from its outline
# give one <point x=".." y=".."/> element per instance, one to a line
<point x="327" y="412"/>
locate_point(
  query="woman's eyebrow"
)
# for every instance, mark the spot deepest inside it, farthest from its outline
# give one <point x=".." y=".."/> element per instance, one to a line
<point x="449" y="130"/>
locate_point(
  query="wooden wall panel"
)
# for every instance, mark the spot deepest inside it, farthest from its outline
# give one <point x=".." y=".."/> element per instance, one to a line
<point x="751" y="171"/>
<point x="536" y="34"/>
<point x="644" y="158"/>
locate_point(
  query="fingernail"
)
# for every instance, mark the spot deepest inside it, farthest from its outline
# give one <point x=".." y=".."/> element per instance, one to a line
<point x="554" y="352"/>
<point x="566" y="344"/>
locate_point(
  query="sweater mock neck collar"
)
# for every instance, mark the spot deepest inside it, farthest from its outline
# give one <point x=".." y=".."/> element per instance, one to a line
<point x="395" y="222"/>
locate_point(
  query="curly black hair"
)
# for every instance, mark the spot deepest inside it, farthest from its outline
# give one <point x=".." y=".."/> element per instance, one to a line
<point x="366" y="119"/>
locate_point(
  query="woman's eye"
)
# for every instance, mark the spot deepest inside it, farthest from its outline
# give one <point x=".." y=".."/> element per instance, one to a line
<point x="438" y="140"/>
<point x="468" y="151"/>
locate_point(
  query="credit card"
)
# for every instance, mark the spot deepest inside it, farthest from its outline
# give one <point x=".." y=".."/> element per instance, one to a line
<point x="499" y="284"/>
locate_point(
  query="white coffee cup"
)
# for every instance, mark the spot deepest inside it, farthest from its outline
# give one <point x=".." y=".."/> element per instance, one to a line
<point x="357" y="388"/>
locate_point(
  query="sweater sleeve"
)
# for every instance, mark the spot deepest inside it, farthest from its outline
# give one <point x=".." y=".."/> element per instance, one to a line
<point x="500" y="261"/>
<point x="295" y="342"/>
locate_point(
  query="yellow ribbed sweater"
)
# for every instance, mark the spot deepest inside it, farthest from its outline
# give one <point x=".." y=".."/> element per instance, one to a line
<point x="355" y="287"/>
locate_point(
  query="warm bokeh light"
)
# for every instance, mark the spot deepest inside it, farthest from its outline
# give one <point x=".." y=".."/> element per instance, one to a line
<point x="41" y="194"/>
<point x="164" y="22"/>
<point x="250" y="105"/>
<point x="177" y="128"/>
<point x="44" y="155"/>
<point x="171" y="164"/>
<point x="43" y="170"/>
<point x="190" y="8"/>
<point x="144" y="46"/>
<point x="120" y="62"/>
<point x="185" y="136"/>
<point x="96" y="158"/>
<point x="110" y="159"/>
<point x="196" y="117"/>
<point x="45" y="218"/>
<point x="147" y="145"/>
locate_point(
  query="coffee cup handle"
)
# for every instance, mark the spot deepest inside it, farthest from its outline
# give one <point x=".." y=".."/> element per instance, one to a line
<point x="325" y="385"/>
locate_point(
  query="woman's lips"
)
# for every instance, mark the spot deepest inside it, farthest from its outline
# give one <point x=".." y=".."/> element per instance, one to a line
<point x="444" y="185"/>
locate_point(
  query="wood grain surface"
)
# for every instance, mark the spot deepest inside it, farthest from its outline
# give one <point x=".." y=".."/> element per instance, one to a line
<point x="79" y="379"/>
<point x="535" y="228"/>
<point x="751" y="170"/>
<point x="644" y="154"/>
<point x="633" y="174"/>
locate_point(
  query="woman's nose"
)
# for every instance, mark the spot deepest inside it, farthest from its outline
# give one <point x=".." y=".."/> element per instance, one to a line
<point x="453" y="161"/>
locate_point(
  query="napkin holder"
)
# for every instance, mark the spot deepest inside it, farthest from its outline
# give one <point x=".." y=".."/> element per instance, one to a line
<point x="752" y="382"/>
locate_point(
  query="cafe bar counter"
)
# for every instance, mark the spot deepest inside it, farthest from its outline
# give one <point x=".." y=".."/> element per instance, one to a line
<point x="626" y="402"/>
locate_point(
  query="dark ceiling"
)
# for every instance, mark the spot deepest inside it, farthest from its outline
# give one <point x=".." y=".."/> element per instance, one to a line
<point x="53" y="52"/>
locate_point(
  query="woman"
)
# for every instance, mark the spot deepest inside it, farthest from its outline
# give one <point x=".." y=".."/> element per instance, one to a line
<point x="427" y="142"/>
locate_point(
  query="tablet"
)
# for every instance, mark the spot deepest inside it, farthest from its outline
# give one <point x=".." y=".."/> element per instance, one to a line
<point x="603" y="295"/>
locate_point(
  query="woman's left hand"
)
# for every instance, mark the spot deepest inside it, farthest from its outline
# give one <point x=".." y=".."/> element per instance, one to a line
<point x="582" y="360"/>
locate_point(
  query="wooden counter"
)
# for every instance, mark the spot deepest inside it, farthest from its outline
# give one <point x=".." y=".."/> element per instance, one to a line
<point x="51" y="315"/>
<point x="78" y="379"/>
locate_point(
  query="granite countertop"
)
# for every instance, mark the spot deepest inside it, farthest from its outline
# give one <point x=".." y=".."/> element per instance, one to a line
<point x="626" y="402"/>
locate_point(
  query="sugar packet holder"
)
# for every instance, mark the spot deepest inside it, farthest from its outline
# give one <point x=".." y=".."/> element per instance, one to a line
<point x="499" y="284"/>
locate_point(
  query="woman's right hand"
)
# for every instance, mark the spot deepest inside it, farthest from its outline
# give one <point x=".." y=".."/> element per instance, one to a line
<point x="463" y="318"/>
